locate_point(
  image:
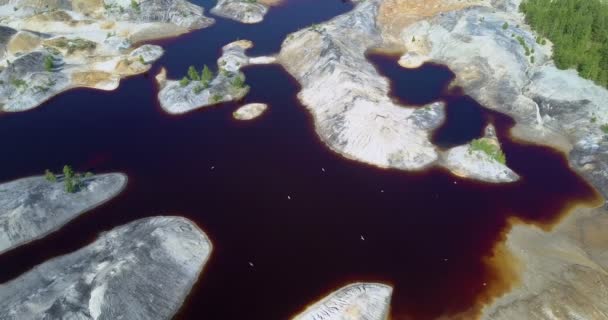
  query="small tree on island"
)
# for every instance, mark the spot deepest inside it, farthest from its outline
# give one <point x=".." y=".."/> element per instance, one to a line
<point x="206" y="76"/>
<point x="193" y="74"/>
<point x="50" y="176"/>
<point x="68" y="172"/>
<point x="238" y="82"/>
<point x="71" y="181"/>
<point x="69" y="185"/>
<point x="184" y="81"/>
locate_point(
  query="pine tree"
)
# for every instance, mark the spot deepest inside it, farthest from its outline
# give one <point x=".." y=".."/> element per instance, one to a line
<point x="206" y="76"/>
<point x="68" y="172"/>
<point x="193" y="74"/>
<point x="50" y="176"/>
<point x="578" y="30"/>
<point x="184" y="81"/>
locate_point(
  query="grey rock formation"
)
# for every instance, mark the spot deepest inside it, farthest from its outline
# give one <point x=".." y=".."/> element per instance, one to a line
<point x="6" y="34"/>
<point x="350" y="102"/>
<point x="358" y="301"/>
<point x="25" y="83"/>
<point x="227" y="85"/>
<point x="30" y="208"/>
<point x="492" y="66"/>
<point x="563" y="274"/>
<point x="576" y="108"/>
<point x="90" y="43"/>
<point x="178" y="12"/>
<point x="250" y="111"/>
<point x="142" y="270"/>
<point x="240" y="10"/>
<point x="148" y="53"/>
<point x="348" y="98"/>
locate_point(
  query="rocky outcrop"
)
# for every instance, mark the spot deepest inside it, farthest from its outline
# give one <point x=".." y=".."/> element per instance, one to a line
<point x="348" y="99"/>
<point x="507" y="70"/>
<point x="6" y="34"/>
<point x="228" y="84"/>
<point x="350" y="103"/>
<point x="50" y="47"/>
<point x="177" y="12"/>
<point x="142" y="270"/>
<point x="475" y="164"/>
<point x="171" y="12"/>
<point x="481" y="159"/>
<point x="244" y="11"/>
<point x="563" y="272"/>
<point x="576" y="109"/>
<point x="498" y="62"/>
<point x="250" y="111"/>
<point x="27" y="81"/>
<point x="358" y="301"/>
<point x="30" y="208"/>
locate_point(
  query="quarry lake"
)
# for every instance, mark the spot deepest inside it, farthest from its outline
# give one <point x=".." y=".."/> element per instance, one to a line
<point x="290" y="220"/>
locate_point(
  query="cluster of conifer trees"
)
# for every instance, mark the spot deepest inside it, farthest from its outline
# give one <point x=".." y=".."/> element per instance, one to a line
<point x="578" y="30"/>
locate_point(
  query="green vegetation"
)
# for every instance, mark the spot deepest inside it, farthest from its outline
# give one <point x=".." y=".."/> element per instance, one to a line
<point x="141" y="59"/>
<point x="224" y="72"/>
<point x="316" y="27"/>
<point x="578" y="30"/>
<point x="19" y="83"/>
<point x="48" y="63"/>
<point x="505" y="26"/>
<point x="486" y="146"/>
<point x="216" y="98"/>
<point x="604" y="128"/>
<point x="184" y="81"/>
<point x="193" y="74"/>
<point x="206" y="76"/>
<point x="203" y="79"/>
<point x="72" y="182"/>
<point x="238" y="82"/>
<point x="73" y="45"/>
<point x="198" y="89"/>
<point x="68" y="172"/>
<point x="69" y="182"/>
<point x="69" y="186"/>
<point x="135" y="6"/>
<point x="50" y="176"/>
<point x="523" y="43"/>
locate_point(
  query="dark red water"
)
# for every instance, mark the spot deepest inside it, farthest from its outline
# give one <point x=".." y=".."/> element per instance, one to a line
<point x="302" y="248"/>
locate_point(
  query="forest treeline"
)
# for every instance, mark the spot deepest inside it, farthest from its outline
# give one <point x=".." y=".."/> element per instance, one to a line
<point x="578" y="30"/>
